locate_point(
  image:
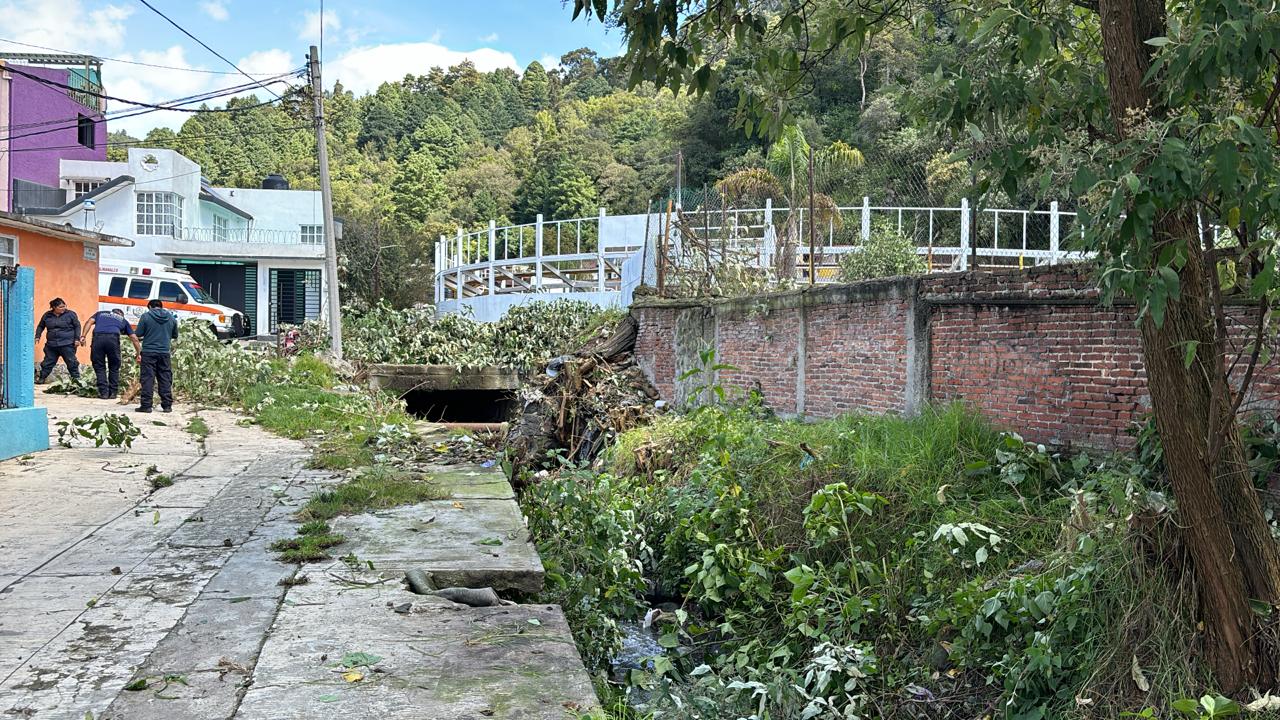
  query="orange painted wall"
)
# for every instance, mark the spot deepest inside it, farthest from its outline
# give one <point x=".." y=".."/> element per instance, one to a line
<point x="61" y="271"/>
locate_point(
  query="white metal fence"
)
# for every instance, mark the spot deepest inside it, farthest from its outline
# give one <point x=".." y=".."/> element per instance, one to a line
<point x="590" y="255"/>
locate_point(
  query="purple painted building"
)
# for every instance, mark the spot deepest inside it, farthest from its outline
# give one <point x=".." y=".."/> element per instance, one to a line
<point x="48" y="113"/>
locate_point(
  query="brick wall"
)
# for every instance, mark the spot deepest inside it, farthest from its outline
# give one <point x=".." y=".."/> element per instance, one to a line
<point x="1034" y="351"/>
<point x="764" y="350"/>
<point x="862" y="348"/>
<point x="655" y="347"/>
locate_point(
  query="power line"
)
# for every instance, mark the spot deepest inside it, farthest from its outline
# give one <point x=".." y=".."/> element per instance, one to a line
<point x="129" y="62"/>
<point x="205" y="46"/>
<point x="180" y="138"/>
<point x="171" y="104"/>
<point x="138" y="103"/>
<point x="243" y="108"/>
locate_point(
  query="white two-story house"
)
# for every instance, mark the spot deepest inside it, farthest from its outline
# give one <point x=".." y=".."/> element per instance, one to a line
<point x="258" y="250"/>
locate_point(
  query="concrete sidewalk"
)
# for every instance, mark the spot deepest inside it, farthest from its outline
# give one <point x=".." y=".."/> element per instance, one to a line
<point x="97" y="570"/>
<point x="105" y="584"/>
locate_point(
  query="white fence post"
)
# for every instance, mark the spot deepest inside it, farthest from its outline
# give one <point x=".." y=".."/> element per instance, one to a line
<point x="439" y="283"/>
<point x="964" y="233"/>
<point x="537" y="252"/>
<point x="766" y="256"/>
<point x="866" y="219"/>
<point x="1054" y="232"/>
<point x="459" y="266"/>
<point x="493" y="250"/>
<point x="600" y="252"/>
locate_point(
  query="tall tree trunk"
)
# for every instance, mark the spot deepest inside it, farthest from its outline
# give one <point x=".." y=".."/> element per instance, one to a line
<point x="1230" y="544"/>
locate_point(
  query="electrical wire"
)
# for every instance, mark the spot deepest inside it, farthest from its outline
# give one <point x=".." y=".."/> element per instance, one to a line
<point x="205" y="46"/>
<point x="180" y="138"/>
<point x="138" y="103"/>
<point x="131" y="62"/>
<point x="244" y="108"/>
<point x="132" y="112"/>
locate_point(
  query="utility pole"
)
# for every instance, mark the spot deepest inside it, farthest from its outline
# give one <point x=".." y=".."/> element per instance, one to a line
<point x="326" y="200"/>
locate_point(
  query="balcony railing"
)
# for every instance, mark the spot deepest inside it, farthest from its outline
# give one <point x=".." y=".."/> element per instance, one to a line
<point x="256" y="236"/>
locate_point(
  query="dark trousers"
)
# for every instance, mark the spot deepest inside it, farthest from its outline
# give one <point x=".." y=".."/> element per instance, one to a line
<point x="155" y="369"/>
<point x="105" y="353"/>
<point x="51" y="355"/>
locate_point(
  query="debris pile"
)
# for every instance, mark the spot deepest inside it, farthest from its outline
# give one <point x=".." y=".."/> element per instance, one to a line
<point x="584" y="400"/>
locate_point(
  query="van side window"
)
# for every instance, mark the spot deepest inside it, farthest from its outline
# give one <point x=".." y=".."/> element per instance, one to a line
<point x="117" y="287"/>
<point x="170" y="292"/>
<point x="140" y="289"/>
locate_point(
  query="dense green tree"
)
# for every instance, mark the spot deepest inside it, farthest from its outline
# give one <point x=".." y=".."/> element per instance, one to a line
<point x="535" y="89"/>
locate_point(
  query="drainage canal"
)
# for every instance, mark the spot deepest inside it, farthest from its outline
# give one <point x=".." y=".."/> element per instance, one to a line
<point x="461" y="406"/>
<point x="442" y="393"/>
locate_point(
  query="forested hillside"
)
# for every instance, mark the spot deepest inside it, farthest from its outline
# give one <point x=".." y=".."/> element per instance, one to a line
<point x="421" y="156"/>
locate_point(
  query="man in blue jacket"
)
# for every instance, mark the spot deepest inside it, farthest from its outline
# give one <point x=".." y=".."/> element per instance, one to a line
<point x="156" y="329"/>
<point x="64" y="336"/>
<point x="107" y="326"/>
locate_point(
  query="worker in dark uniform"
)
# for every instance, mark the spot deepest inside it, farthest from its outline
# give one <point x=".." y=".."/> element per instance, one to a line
<point x="157" y="328"/>
<point x="64" y="337"/>
<point x="106" y="327"/>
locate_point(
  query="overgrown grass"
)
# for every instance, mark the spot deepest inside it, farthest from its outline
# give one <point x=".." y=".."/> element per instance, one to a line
<point x="198" y="427"/>
<point x="346" y="425"/>
<point x="375" y="488"/>
<point x="882" y="566"/>
<point x="312" y="544"/>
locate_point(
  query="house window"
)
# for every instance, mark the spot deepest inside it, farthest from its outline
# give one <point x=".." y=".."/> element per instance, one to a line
<point x="219" y="228"/>
<point x="80" y="188"/>
<point x="160" y="213"/>
<point x="8" y="251"/>
<point x="313" y="234"/>
<point x="84" y="131"/>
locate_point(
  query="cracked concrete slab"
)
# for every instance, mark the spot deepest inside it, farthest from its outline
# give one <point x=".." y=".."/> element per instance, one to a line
<point x="437" y="660"/>
<point x="465" y="543"/>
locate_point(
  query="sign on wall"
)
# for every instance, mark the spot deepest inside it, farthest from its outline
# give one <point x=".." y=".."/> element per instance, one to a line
<point x="90" y="252"/>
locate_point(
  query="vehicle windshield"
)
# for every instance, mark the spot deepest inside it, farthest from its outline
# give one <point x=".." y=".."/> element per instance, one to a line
<point x="197" y="293"/>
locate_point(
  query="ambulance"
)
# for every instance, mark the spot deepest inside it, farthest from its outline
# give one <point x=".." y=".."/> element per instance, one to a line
<point x="131" y="285"/>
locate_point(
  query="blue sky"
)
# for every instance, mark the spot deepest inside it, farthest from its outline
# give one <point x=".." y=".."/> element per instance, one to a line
<point x="366" y="42"/>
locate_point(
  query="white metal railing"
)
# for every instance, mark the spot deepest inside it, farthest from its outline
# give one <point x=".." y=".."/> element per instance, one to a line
<point x="585" y="255"/>
<point x="262" y="236"/>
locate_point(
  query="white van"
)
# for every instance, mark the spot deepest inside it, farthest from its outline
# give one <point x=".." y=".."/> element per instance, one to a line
<point x="131" y="285"/>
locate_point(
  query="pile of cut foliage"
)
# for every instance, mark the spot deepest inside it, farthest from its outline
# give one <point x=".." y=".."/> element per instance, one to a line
<point x="527" y="336"/>
<point x="871" y="567"/>
<point x="583" y="402"/>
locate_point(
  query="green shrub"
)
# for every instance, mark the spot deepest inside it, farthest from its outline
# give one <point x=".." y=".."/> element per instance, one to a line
<point x="834" y="568"/>
<point x="887" y="253"/>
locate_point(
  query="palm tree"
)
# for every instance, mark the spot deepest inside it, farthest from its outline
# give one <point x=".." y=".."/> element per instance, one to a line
<point x="785" y="178"/>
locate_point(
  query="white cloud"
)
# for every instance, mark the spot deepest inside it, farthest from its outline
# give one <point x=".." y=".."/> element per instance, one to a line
<point x="435" y="37"/>
<point x="66" y="25"/>
<point x="311" y="26"/>
<point x="216" y="9"/>
<point x="491" y="37"/>
<point x="363" y="69"/>
<point x="549" y="62"/>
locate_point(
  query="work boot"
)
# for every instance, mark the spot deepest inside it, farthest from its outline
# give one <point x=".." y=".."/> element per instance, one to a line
<point x="143" y="410"/>
<point x="166" y="409"/>
<point x="103" y="396"/>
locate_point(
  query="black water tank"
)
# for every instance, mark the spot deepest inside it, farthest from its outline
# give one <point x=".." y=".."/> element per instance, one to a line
<point x="275" y="182"/>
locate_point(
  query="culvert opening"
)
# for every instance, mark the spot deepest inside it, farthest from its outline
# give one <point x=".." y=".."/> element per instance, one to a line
<point x="461" y="406"/>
